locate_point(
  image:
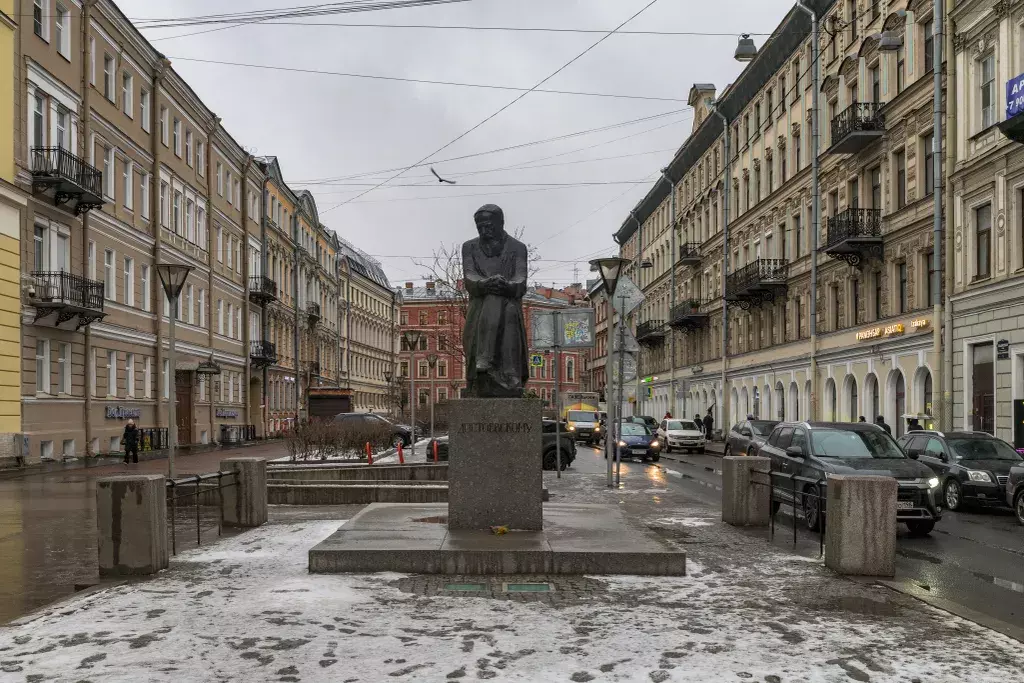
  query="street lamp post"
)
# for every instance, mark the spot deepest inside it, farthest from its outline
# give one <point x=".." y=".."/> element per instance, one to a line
<point x="432" y="362"/>
<point x="172" y="277"/>
<point x="387" y="388"/>
<point x="412" y="339"/>
<point x="610" y="268"/>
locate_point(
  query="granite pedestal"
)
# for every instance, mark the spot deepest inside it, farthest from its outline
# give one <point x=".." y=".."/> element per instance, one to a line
<point x="494" y="466"/>
<point x="576" y="539"/>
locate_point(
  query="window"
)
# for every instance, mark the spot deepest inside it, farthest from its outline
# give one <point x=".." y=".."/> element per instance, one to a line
<point x="835" y="307"/>
<point x="127" y="184"/>
<point x="220" y="179"/>
<point x="111" y="373"/>
<point x="901" y="69"/>
<point x="875" y="179"/>
<point x="109" y="276"/>
<point x="878" y="295"/>
<point x="799" y="318"/>
<point x="797" y="152"/>
<point x="442" y="369"/>
<point x="129" y="374"/>
<point x="899" y="162"/>
<point x="227" y="180"/>
<point x="177" y="137"/>
<point x="64" y="368"/>
<point x="929" y="44"/>
<point x="38" y="121"/>
<point x="220" y="244"/>
<point x="220" y="316"/>
<point x="62" y="24"/>
<point x="108" y="171"/>
<point x="166" y="371"/>
<point x="43" y="366"/>
<point x="163" y="125"/>
<point x="901" y="273"/>
<point x="202" y="308"/>
<point x="144" y="194"/>
<point x="200" y="157"/>
<point x="63" y="133"/>
<point x="177" y="213"/>
<point x="231" y="321"/>
<point x="231" y="251"/>
<point x="851" y="18"/>
<point x="38" y="21"/>
<point x="129" y="281"/>
<point x="163" y="204"/>
<point x="144" y="108"/>
<point x="423" y="317"/>
<point x="127" y="94"/>
<point x="424" y="369"/>
<point x="108" y="77"/>
<point x="929" y="163"/>
<point x="144" y="281"/>
<point x="188" y="147"/>
<point x="983" y="241"/>
<point x="147" y="378"/>
<point x="798" y="233"/>
<point x="929" y="269"/>
<point x="988" y="91"/>
<point x="876" y="84"/>
<point x="983" y="388"/>
<point x="189" y="223"/>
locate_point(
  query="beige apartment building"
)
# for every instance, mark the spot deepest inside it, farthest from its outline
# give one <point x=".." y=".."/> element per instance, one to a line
<point x="125" y="168"/>
<point x="874" y="343"/>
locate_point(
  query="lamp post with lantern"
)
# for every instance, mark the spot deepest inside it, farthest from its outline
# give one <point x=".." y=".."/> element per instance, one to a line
<point x="610" y="269"/>
<point x="172" y="277"/>
<point x="412" y="340"/>
<point x="432" y="362"/>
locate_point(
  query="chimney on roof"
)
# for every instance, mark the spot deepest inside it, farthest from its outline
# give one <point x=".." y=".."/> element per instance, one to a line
<point x="408" y="285"/>
<point x="430" y="285"/>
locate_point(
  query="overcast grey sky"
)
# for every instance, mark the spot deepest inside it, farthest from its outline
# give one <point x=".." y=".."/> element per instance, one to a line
<point x="323" y="127"/>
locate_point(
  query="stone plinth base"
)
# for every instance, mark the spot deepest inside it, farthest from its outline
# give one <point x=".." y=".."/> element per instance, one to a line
<point x="131" y="520"/>
<point x="245" y="504"/>
<point x="860" y="529"/>
<point x="746" y="491"/>
<point x="494" y="464"/>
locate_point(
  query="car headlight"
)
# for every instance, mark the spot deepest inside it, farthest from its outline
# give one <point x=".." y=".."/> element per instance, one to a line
<point x="597" y="428"/>
<point x="572" y="428"/>
<point x="622" y="444"/>
<point x="978" y="475"/>
<point x="933" y="483"/>
<point x="655" y="444"/>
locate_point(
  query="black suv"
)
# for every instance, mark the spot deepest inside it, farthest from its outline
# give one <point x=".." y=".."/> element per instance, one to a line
<point x="804" y="454"/>
<point x="973" y="467"/>
<point x="1015" y="491"/>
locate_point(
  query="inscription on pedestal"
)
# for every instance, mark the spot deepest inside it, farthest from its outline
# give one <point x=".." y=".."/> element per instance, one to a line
<point x="494" y="464"/>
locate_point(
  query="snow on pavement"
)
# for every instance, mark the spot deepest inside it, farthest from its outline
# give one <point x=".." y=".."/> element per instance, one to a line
<point x="247" y="610"/>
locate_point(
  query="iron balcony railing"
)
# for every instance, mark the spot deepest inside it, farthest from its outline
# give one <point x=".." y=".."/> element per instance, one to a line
<point x="263" y="352"/>
<point x="313" y="310"/>
<point x="689" y="310"/>
<point x="70" y="290"/>
<point x="858" y="117"/>
<point x="650" y="329"/>
<point x="853" y="224"/>
<point x="58" y="163"/>
<point x="689" y="252"/>
<point x="314" y="368"/>
<point x="758" y="273"/>
<point x="262" y="288"/>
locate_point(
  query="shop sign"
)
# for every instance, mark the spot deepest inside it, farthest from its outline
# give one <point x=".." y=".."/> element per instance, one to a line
<point x="1003" y="349"/>
<point x="920" y="323"/>
<point x="1015" y="96"/>
<point x="122" y="413"/>
<point x="224" y="412"/>
<point x="893" y="330"/>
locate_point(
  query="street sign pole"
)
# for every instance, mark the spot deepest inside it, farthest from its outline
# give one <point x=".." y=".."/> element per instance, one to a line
<point x="622" y="377"/>
<point x="558" y="402"/>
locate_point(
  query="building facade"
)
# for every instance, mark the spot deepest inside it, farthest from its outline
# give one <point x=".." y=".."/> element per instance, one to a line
<point x="872" y="350"/>
<point x="125" y="168"/>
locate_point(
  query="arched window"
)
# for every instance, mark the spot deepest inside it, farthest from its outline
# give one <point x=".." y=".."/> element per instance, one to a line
<point x="570" y="370"/>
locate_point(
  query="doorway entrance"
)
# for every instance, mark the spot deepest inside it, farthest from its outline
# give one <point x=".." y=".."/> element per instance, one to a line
<point x="183" y="406"/>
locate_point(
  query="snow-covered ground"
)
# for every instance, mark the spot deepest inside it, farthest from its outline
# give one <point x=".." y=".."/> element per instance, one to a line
<point x="247" y="610"/>
<point x="388" y="456"/>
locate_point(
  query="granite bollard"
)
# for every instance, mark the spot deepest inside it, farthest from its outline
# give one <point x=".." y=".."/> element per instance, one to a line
<point x="131" y="521"/>
<point x="245" y="504"/>
<point x="745" y="491"/>
<point x="494" y="470"/>
<point x="860" y="533"/>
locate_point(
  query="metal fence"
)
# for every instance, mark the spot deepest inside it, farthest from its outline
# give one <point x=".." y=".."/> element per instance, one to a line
<point x="807" y="487"/>
<point x="153" y="439"/>
<point x="197" y="500"/>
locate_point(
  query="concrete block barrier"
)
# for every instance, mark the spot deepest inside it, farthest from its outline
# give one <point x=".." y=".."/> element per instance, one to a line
<point x="746" y="491"/>
<point x="131" y="520"/>
<point x="245" y="504"/>
<point x="860" y="529"/>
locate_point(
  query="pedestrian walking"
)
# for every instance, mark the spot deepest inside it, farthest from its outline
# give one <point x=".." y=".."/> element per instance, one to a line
<point x="668" y="415"/>
<point x="697" y="421"/>
<point x="130" y="439"/>
<point x="880" y="421"/>
<point x="709" y="425"/>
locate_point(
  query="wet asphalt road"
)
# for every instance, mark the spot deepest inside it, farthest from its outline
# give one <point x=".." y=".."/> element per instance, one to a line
<point x="973" y="558"/>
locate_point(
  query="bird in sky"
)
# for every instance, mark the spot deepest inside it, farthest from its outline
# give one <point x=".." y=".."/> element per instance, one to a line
<point x="440" y="179"/>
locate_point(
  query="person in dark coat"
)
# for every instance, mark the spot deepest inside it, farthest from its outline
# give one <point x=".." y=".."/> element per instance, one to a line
<point x="880" y="421"/>
<point x="697" y="421"/>
<point x="709" y="424"/>
<point x="862" y="419"/>
<point x="131" y="442"/>
<point x="914" y="425"/>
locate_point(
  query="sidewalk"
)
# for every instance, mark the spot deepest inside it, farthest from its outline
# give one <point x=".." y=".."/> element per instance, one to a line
<point x="247" y="609"/>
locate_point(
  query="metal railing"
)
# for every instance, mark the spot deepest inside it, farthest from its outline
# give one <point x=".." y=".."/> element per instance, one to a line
<point x="263" y="351"/>
<point x="63" y="287"/>
<point x="853" y="223"/>
<point x="57" y="162"/>
<point x="262" y="287"/>
<point x="757" y="272"/>
<point x="807" y="487"/>
<point x="153" y="439"/>
<point x="689" y="251"/>
<point x="689" y="307"/>
<point x="313" y="310"/>
<point x="859" y="116"/>
<point x="650" y="328"/>
<point x="199" y="489"/>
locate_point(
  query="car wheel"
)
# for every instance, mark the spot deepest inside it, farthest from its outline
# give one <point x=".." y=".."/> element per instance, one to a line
<point x="397" y="441"/>
<point x="921" y="527"/>
<point x="953" y="495"/>
<point x="1018" y="507"/>
<point x="703" y="450"/>
<point x="655" y="458"/>
<point x="751" y="452"/>
<point x="812" y="509"/>
<point x="550" y="460"/>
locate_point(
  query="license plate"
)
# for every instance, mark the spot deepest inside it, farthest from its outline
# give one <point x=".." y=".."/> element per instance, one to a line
<point x="904" y="505"/>
<point x="639" y="451"/>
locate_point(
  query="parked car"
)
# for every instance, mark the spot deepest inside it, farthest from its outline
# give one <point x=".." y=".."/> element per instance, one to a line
<point x="804" y="454"/>
<point x="585" y="425"/>
<point x="1015" y="491"/>
<point x="637" y="441"/>
<point x="973" y="467"/>
<point x="399" y="433"/>
<point x="548" y="454"/>
<point x="745" y="438"/>
<point x="682" y="434"/>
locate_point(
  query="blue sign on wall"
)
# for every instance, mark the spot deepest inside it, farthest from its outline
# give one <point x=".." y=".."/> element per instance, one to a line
<point x="1015" y="97"/>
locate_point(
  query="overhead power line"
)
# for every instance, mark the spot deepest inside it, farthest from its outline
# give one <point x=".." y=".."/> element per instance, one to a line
<point x="401" y="79"/>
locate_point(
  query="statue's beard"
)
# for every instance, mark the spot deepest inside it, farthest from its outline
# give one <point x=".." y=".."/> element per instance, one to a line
<point x="492" y="246"/>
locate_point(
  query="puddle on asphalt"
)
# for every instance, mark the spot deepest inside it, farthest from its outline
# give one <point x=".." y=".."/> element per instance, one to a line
<point x="1002" y="583"/>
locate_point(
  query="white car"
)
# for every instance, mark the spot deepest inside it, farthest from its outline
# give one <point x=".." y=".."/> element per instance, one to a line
<point x="681" y="434"/>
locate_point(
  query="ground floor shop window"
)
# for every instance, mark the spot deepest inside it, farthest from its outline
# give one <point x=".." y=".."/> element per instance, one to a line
<point x="983" y="395"/>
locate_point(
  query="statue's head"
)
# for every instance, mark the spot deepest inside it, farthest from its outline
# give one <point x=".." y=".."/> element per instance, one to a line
<point x="490" y="221"/>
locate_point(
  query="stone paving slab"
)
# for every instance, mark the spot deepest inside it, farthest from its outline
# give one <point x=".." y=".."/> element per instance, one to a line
<point x="578" y="539"/>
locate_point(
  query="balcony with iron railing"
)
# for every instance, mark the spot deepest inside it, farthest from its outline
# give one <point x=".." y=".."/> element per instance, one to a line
<point x="759" y="281"/>
<point x="262" y="353"/>
<point x="66" y="178"/>
<point x="64" y="300"/>
<point x="651" y="332"/>
<point x="856" y="127"/>
<point x="314" y="368"/>
<point x="262" y="289"/>
<point x="313" y="312"/>
<point x="689" y="254"/>
<point x="854" y="234"/>
<point x="691" y="314"/>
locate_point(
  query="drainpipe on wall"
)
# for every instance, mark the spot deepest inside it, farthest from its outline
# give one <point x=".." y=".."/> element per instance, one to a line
<point x="211" y="133"/>
<point x="725" y="266"/>
<point x="672" y="294"/>
<point x="937" y="137"/>
<point x="636" y="316"/>
<point x="246" y="328"/>
<point x="951" y="133"/>
<point x="295" y="335"/>
<point x="264" y="413"/>
<point x="157" y="218"/>
<point x="90" y="359"/>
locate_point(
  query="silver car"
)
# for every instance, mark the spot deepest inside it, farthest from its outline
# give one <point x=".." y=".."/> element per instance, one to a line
<point x="747" y="437"/>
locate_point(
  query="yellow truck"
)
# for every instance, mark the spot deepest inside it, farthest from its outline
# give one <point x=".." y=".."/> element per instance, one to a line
<point x="581" y="415"/>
